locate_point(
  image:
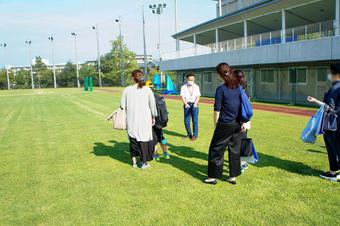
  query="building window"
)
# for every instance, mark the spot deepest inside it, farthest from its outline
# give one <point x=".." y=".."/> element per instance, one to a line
<point x="322" y="74"/>
<point x="267" y="76"/>
<point x="298" y="76"/>
<point x="207" y="77"/>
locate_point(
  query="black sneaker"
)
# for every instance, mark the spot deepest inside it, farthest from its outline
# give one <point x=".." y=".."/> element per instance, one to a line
<point x="329" y="176"/>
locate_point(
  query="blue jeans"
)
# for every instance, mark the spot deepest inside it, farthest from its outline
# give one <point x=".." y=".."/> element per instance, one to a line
<point x="191" y="112"/>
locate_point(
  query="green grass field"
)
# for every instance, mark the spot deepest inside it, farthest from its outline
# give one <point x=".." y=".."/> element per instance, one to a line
<point x="62" y="164"/>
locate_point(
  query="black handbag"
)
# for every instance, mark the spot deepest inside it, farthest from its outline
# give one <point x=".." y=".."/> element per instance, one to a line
<point x="246" y="147"/>
<point x="330" y="120"/>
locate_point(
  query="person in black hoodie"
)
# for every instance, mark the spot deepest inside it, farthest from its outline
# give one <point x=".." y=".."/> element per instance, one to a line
<point x="332" y="139"/>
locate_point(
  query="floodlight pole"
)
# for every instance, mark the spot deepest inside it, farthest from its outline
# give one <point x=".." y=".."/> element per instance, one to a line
<point x="144" y="44"/>
<point x="158" y="10"/>
<point x="176" y="24"/>
<point x="98" y="54"/>
<point x="76" y="57"/>
<point x="119" y="21"/>
<point x="30" y="62"/>
<point x="6" y="68"/>
<point x="54" y="72"/>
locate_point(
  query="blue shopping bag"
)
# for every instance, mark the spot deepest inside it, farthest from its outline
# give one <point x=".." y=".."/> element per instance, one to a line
<point x="314" y="127"/>
<point x="246" y="108"/>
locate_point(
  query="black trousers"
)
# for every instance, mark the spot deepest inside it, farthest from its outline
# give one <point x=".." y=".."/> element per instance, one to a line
<point x="225" y="135"/>
<point x="332" y="141"/>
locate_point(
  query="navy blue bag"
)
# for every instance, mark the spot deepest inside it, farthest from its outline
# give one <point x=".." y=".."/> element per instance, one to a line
<point x="330" y="120"/>
<point x="246" y="108"/>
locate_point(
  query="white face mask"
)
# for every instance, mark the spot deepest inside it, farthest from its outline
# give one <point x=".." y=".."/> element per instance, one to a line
<point x="190" y="83"/>
<point x="330" y="77"/>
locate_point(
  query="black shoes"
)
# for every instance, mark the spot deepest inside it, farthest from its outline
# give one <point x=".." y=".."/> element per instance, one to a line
<point x="329" y="176"/>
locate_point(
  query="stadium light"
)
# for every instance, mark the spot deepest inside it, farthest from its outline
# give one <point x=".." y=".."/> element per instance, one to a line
<point x="121" y="51"/>
<point x="76" y="57"/>
<point x="158" y="10"/>
<point x="30" y="62"/>
<point x="51" y="38"/>
<point x="4" y="45"/>
<point x="95" y="27"/>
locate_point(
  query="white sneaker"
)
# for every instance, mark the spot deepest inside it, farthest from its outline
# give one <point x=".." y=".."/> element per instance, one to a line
<point x="135" y="166"/>
<point x="145" y="166"/>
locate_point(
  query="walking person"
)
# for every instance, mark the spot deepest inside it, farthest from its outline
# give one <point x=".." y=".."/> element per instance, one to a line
<point x="190" y="93"/>
<point x="228" y="129"/>
<point x="139" y="103"/>
<point x="332" y="138"/>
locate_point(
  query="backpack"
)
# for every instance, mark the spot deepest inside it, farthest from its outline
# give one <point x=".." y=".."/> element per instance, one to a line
<point x="163" y="115"/>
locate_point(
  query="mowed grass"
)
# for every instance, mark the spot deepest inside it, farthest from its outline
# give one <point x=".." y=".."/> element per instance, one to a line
<point x="62" y="164"/>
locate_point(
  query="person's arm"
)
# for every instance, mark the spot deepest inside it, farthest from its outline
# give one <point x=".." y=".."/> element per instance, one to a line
<point x="123" y="100"/>
<point x="183" y="97"/>
<point x="315" y="101"/>
<point x="153" y="107"/>
<point x="198" y="96"/>
<point x="217" y="105"/>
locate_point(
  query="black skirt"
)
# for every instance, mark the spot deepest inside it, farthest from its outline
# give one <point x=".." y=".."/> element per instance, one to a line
<point x="144" y="150"/>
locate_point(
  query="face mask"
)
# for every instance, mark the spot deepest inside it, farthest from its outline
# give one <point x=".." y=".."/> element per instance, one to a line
<point x="190" y="83"/>
<point x="330" y="77"/>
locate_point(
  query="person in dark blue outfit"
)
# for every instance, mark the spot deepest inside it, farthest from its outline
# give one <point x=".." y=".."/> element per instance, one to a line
<point x="332" y="139"/>
<point x="228" y="129"/>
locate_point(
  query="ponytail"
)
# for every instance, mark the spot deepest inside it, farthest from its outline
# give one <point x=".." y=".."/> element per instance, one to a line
<point x="138" y="77"/>
<point x="227" y="75"/>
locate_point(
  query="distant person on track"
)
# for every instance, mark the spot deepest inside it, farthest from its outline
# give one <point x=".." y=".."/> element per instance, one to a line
<point x="332" y="139"/>
<point x="190" y="93"/>
<point x="140" y="106"/>
<point x="228" y="129"/>
<point x="160" y="122"/>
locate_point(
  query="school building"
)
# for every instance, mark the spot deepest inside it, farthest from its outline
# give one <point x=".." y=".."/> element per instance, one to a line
<point x="284" y="47"/>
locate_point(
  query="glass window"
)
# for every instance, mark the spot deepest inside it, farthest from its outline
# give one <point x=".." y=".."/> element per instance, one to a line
<point x="322" y="74"/>
<point x="207" y="77"/>
<point x="298" y="76"/>
<point x="267" y="76"/>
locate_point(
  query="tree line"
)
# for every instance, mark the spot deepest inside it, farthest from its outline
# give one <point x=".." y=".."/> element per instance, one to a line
<point x="43" y="76"/>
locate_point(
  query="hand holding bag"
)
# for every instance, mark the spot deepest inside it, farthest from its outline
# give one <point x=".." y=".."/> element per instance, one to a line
<point x="118" y="119"/>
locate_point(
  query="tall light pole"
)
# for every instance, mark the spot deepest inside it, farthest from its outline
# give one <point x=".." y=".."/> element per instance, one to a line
<point x="158" y="10"/>
<point x="30" y="62"/>
<point x="54" y="74"/>
<point x="7" y="73"/>
<point x="98" y="54"/>
<point x="176" y="25"/>
<point x="144" y="44"/>
<point x="119" y="21"/>
<point x="76" y="57"/>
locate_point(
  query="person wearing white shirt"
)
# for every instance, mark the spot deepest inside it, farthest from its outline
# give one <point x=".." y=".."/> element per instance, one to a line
<point x="190" y="93"/>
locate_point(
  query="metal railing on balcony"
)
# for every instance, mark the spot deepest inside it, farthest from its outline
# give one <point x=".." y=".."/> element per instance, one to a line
<point x="295" y="34"/>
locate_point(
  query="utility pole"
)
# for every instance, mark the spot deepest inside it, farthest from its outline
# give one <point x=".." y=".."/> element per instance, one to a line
<point x="121" y="51"/>
<point x="30" y="62"/>
<point x="158" y="10"/>
<point x="76" y="57"/>
<point x="54" y="74"/>
<point x="144" y="44"/>
<point x="98" y="54"/>
<point x="6" y="68"/>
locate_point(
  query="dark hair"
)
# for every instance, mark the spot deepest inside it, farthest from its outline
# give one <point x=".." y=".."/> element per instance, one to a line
<point x="241" y="78"/>
<point x="335" y="68"/>
<point x="138" y="77"/>
<point x="228" y="76"/>
<point x="190" y="74"/>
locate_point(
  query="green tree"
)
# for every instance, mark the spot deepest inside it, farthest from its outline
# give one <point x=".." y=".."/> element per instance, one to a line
<point x="67" y="77"/>
<point x="22" y="80"/>
<point x="3" y="79"/>
<point x="43" y="77"/>
<point x="111" y="64"/>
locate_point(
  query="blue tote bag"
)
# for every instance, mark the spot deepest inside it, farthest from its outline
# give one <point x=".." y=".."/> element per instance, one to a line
<point x="314" y="127"/>
<point x="246" y="108"/>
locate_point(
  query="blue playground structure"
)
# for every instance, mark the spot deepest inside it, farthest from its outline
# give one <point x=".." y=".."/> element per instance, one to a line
<point x="157" y="82"/>
<point x="170" y="88"/>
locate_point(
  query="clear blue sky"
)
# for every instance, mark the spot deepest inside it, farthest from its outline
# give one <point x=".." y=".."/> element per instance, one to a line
<point x="35" y="20"/>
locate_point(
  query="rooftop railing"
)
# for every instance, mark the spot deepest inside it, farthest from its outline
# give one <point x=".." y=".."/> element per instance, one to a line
<point x="295" y="34"/>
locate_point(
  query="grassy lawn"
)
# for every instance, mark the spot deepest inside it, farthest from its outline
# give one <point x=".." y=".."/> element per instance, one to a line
<point x="62" y="164"/>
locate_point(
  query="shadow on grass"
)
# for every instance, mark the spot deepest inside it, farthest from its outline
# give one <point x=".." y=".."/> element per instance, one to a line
<point x="317" y="151"/>
<point x="173" y="133"/>
<point x="118" y="151"/>
<point x="287" y="165"/>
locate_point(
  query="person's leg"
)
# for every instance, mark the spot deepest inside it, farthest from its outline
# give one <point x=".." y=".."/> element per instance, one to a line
<point x="217" y="148"/>
<point x="235" y="152"/>
<point x="134" y="152"/>
<point x="333" y="146"/>
<point x="187" y="113"/>
<point x="194" y="115"/>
